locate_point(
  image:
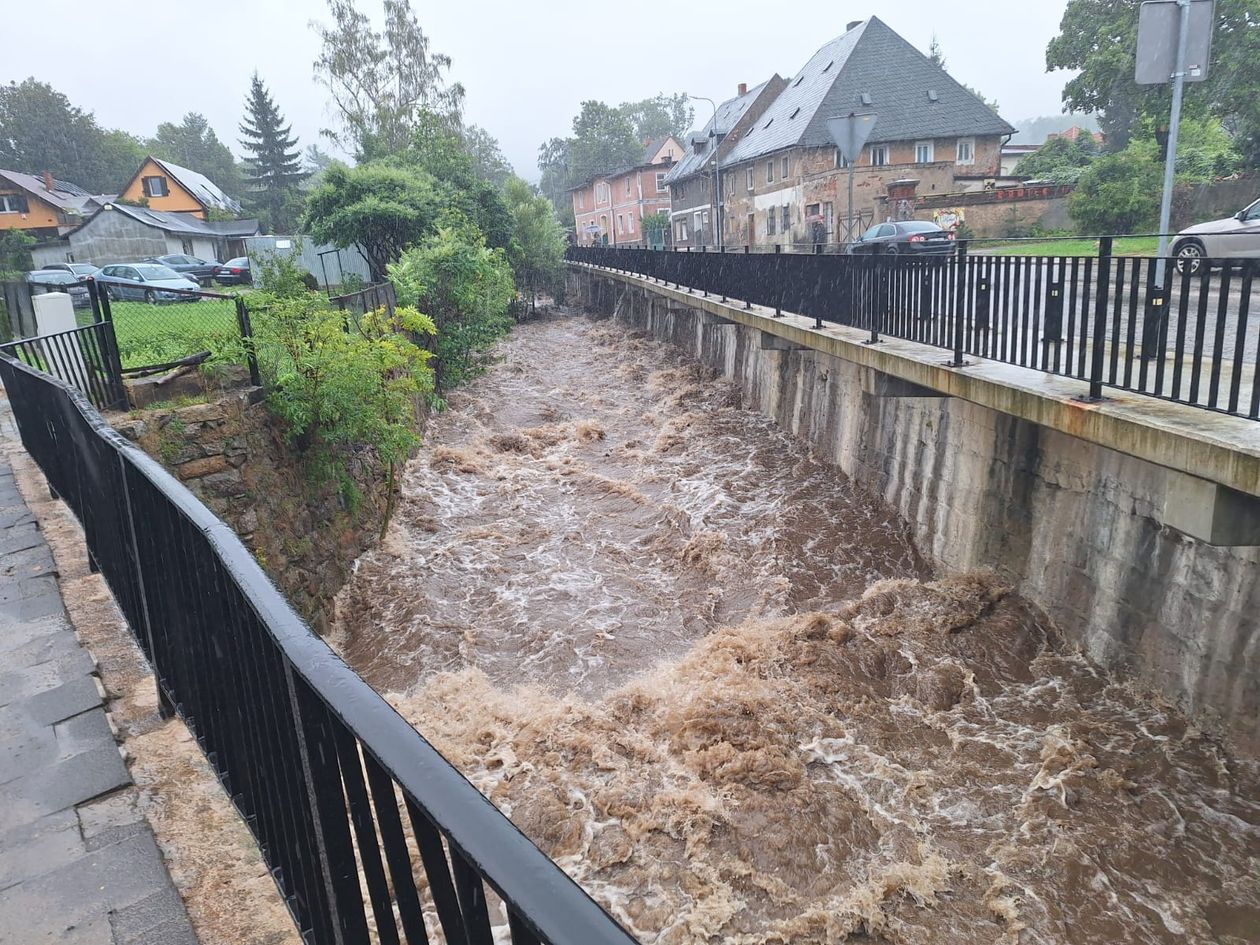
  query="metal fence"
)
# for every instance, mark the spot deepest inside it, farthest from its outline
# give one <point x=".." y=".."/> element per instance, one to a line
<point x="362" y="823"/>
<point x="85" y="358"/>
<point x="1135" y="323"/>
<point x="368" y="299"/>
<point x="158" y="328"/>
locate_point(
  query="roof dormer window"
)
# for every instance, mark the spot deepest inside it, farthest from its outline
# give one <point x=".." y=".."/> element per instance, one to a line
<point x="156" y="187"/>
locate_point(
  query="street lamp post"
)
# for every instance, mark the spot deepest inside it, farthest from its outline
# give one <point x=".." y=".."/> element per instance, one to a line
<point x="717" y="173"/>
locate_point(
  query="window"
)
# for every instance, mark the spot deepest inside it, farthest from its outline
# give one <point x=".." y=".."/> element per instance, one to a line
<point x="680" y="191"/>
<point x="13" y="203"/>
<point x="841" y="161"/>
<point x="680" y="231"/>
<point x="581" y="199"/>
<point x="770" y="171"/>
<point x="785" y="222"/>
<point x="966" y="150"/>
<point x="696" y="222"/>
<point x="783" y="168"/>
<point x="156" y="187"/>
<point x="770" y="218"/>
<point x="627" y="186"/>
<point x="879" y="155"/>
<point x="796" y="111"/>
<point x="601" y="192"/>
<point x="621" y="223"/>
<point x="750" y="178"/>
<point x="187" y="247"/>
<point x="924" y="152"/>
<point x="704" y="218"/>
<point x="630" y="223"/>
<point x="660" y="183"/>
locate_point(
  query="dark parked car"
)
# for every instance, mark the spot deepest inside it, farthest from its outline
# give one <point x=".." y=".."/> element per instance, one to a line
<point x="199" y="270"/>
<point x="82" y="270"/>
<point x="146" y="281"/>
<point x="42" y="281"/>
<point x="911" y="238"/>
<point x="235" y="272"/>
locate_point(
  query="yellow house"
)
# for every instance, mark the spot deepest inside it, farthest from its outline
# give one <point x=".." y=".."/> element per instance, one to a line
<point x="161" y="185"/>
<point x="41" y="206"/>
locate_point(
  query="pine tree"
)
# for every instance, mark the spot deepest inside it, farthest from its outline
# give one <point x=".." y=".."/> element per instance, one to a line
<point x="274" y="165"/>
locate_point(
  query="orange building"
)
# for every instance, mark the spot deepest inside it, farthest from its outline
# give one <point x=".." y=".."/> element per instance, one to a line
<point x="41" y="206"/>
<point x="610" y="208"/>
<point x="161" y="185"/>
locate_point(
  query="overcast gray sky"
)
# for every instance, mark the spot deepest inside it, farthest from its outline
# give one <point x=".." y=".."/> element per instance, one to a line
<point x="526" y="64"/>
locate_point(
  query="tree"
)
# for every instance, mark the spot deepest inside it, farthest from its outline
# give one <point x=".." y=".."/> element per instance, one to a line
<point x="660" y="116"/>
<point x="1061" y="160"/>
<point x="538" y="244"/>
<point x="553" y="163"/>
<point x="1037" y="130"/>
<point x="380" y="208"/>
<point x="466" y="288"/>
<point x="15" y="253"/>
<point x="382" y="82"/>
<point x="194" y="145"/>
<point x="603" y="141"/>
<point x="1119" y="193"/>
<point x="1098" y="38"/>
<point x="41" y="131"/>
<point x="488" y="160"/>
<point x="274" y="168"/>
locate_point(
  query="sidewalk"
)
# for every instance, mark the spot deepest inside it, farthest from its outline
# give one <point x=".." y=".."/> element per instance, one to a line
<point x="78" y="862"/>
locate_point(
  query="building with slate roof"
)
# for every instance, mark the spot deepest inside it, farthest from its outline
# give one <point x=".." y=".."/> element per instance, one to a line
<point x="691" y="182"/>
<point x="609" y="208"/>
<point x="161" y="185"/>
<point x="42" y="206"/>
<point x="785" y="182"/>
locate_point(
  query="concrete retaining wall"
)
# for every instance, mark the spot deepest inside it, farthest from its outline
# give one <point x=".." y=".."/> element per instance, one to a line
<point x="1078" y="527"/>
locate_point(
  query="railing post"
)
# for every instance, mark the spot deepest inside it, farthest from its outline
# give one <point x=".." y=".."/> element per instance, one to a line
<point x="247" y="337"/>
<point x="1101" y="297"/>
<point x="960" y="303"/>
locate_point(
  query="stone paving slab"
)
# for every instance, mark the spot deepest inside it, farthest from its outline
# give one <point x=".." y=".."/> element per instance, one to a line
<point x="78" y="862"/>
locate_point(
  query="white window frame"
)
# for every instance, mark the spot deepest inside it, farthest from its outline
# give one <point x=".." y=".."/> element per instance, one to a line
<point x="783" y="168"/>
<point x="630" y="223"/>
<point x="842" y="163"/>
<point x="772" y="218"/>
<point x="660" y="184"/>
<point x="965" y="152"/>
<point x="880" y="150"/>
<point x="751" y="182"/>
<point x="163" y="190"/>
<point x="15" y="207"/>
<point x="770" y="171"/>
<point x="627" y="186"/>
<point x="680" y="232"/>
<point x="924" y="152"/>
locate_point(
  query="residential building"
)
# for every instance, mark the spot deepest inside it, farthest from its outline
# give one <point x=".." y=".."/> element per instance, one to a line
<point x="692" y="181"/>
<point x="786" y="182"/>
<point x="119" y="232"/>
<point x="1012" y="154"/>
<point x="161" y="185"/>
<point x="42" y="207"/>
<point x="610" y="208"/>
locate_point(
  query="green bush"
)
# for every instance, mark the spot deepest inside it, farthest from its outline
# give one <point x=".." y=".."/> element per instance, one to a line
<point x="467" y="288"/>
<point x="279" y="273"/>
<point x="340" y="386"/>
<point x="1118" y="194"/>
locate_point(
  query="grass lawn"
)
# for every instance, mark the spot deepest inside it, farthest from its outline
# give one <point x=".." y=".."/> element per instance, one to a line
<point x="1124" y="246"/>
<point x="157" y="334"/>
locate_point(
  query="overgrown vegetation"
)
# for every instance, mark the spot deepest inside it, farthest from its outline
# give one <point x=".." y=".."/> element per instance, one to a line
<point x="15" y="254"/>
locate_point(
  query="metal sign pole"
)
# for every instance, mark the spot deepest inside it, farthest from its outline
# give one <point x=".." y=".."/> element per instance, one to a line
<point x="848" y="236"/>
<point x="1174" y="127"/>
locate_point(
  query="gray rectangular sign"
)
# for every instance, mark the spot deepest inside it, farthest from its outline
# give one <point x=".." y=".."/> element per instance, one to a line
<point x="1159" y="22"/>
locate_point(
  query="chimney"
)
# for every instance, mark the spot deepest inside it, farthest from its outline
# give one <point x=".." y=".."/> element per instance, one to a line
<point x="852" y="26"/>
<point x="743" y="88"/>
<point x="48" y="182"/>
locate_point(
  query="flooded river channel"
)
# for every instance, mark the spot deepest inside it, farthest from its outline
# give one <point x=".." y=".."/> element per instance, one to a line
<point x="716" y="682"/>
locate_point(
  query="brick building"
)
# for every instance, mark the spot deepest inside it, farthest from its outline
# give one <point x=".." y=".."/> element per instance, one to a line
<point x="610" y="208"/>
<point x="692" y="187"/>
<point x="785" y="182"/>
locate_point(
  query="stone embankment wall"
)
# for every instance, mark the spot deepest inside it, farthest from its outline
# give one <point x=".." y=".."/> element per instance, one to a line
<point x="1077" y="527"/>
<point x="232" y="455"/>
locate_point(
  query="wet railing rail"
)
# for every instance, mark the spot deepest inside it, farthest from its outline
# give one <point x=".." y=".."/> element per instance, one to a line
<point x="1185" y="332"/>
<point x="370" y="835"/>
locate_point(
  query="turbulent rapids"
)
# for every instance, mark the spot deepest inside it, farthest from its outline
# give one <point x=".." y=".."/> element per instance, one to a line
<point x="717" y="684"/>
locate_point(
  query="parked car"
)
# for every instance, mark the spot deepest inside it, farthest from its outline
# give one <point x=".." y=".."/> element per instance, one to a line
<point x="147" y="281"/>
<point x="235" y="272"/>
<point x="82" y="270"/>
<point x="1230" y="238"/>
<point x="43" y="281"/>
<point x="200" y="270"/>
<point x="910" y="238"/>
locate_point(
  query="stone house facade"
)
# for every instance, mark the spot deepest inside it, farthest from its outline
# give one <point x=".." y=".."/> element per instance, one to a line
<point x="785" y="181"/>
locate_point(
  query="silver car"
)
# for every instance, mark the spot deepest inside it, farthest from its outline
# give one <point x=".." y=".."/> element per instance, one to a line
<point x="146" y="281"/>
<point x="1221" y="239"/>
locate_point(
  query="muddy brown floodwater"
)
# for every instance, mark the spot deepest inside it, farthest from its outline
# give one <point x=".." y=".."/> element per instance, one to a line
<point x="717" y="684"/>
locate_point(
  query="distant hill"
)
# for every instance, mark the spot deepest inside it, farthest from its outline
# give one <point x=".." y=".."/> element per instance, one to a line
<point x="1036" y="130"/>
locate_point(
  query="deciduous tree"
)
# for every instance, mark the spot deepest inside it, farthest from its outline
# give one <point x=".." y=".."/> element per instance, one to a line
<point x="660" y="116"/>
<point x="538" y="243"/>
<point x="381" y="83"/>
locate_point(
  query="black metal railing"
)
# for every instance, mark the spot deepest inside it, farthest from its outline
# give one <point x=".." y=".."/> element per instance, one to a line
<point x="1184" y="333"/>
<point x="368" y="299"/>
<point x="85" y="358"/>
<point x="362" y="823"/>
